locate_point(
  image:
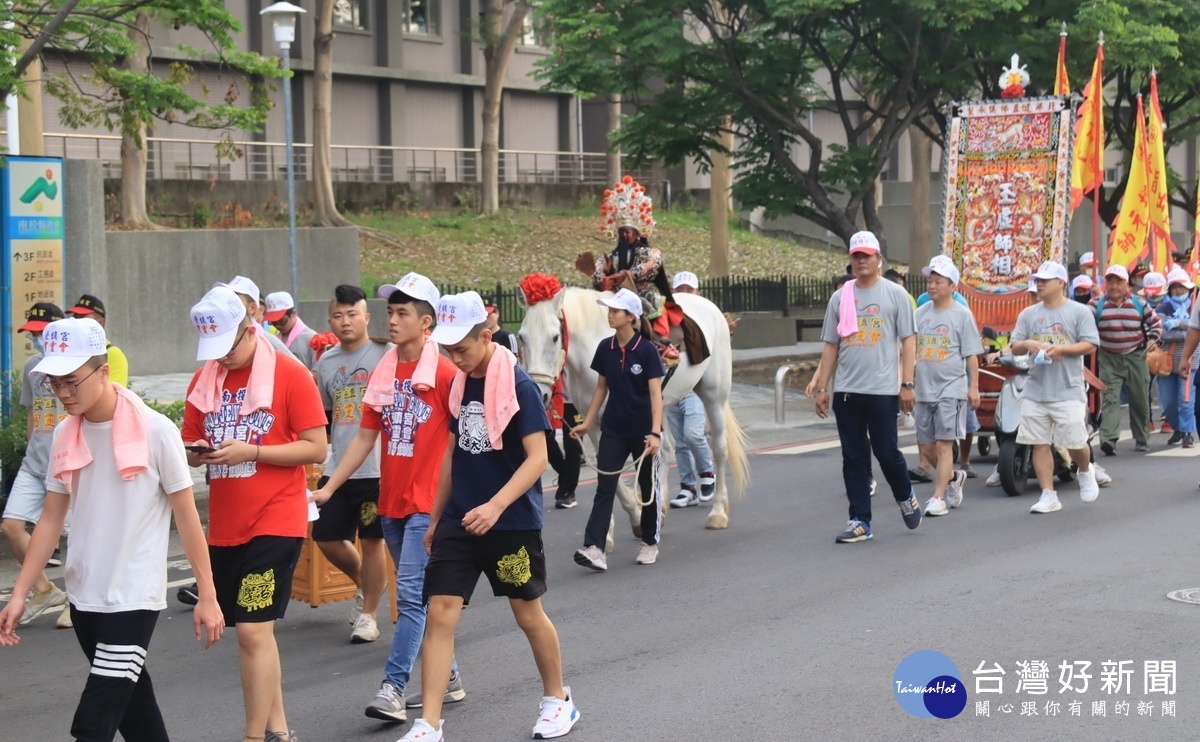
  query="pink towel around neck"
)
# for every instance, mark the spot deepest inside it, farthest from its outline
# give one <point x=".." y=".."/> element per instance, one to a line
<point x="381" y="386"/>
<point x="206" y="395"/>
<point x="131" y="445"/>
<point x="499" y="394"/>
<point x="847" y="312"/>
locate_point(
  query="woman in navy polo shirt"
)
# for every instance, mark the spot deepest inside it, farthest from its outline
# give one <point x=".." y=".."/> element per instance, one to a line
<point x="631" y="378"/>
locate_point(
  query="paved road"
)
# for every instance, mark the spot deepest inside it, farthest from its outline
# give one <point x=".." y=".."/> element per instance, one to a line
<point x="766" y="631"/>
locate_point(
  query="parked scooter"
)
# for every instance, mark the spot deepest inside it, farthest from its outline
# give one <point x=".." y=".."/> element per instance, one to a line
<point x="1016" y="459"/>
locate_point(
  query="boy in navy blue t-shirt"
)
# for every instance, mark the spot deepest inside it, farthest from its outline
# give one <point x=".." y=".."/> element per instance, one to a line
<point x="631" y="378"/>
<point x="487" y="515"/>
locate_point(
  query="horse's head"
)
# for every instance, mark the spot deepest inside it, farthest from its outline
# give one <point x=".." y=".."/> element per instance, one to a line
<point x="541" y="335"/>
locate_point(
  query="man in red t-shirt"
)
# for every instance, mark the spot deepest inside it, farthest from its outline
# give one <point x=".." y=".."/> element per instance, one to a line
<point x="413" y="420"/>
<point x="255" y="419"/>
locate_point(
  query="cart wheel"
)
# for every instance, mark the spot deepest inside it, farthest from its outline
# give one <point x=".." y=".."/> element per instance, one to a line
<point x="1014" y="467"/>
<point x="984" y="445"/>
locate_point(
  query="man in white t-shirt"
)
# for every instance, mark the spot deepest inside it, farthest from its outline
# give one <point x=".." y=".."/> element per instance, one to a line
<point x="121" y="470"/>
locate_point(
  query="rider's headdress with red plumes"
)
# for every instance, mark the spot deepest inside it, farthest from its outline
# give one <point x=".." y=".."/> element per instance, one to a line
<point x="626" y="205"/>
<point x="537" y="287"/>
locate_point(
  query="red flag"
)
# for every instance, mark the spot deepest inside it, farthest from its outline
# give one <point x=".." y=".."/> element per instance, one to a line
<point x="1062" y="86"/>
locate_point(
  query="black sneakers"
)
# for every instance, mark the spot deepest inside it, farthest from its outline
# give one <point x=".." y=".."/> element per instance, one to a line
<point x="188" y="594"/>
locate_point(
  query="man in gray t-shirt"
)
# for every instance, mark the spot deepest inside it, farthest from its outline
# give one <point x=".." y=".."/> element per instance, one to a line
<point x="947" y="380"/>
<point x="870" y="345"/>
<point x="343" y="372"/>
<point x="1059" y="333"/>
<point x="28" y="493"/>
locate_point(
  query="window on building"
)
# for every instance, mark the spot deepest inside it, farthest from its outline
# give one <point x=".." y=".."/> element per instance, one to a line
<point x="534" y="31"/>
<point x="350" y="14"/>
<point x="424" y="18"/>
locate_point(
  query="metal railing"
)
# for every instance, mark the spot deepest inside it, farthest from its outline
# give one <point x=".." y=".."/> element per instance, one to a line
<point x="197" y="159"/>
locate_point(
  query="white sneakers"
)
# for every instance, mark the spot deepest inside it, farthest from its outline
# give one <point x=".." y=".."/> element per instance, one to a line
<point x="365" y="629"/>
<point x="555" y="716"/>
<point x="647" y="553"/>
<point x="1047" y="504"/>
<point x="685" y="499"/>
<point x="1089" y="489"/>
<point x="356" y="608"/>
<point x="954" y="493"/>
<point x="592" y="558"/>
<point x="1102" y="478"/>
<point x="935" y="507"/>
<point x="424" y="732"/>
<point x="993" y="479"/>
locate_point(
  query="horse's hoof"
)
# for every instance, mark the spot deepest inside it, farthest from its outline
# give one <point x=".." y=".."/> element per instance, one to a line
<point x="637" y="531"/>
<point x="717" y="522"/>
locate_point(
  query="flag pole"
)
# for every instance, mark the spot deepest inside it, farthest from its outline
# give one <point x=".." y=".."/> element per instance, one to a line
<point x="1100" y="257"/>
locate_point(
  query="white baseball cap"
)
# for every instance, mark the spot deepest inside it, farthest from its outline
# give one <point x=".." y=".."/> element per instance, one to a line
<point x="216" y="318"/>
<point x="456" y="315"/>
<point x="685" y="278"/>
<point x="1088" y="259"/>
<point x="278" y="303"/>
<point x="1177" y="275"/>
<point x="1119" y="271"/>
<point x="1051" y="269"/>
<point x="1081" y="281"/>
<point x="1154" y="283"/>
<point x="623" y="299"/>
<point x="864" y="242"/>
<point x="414" y="285"/>
<point x="944" y="267"/>
<point x="68" y="343"/>
<point x="242" y="285"/>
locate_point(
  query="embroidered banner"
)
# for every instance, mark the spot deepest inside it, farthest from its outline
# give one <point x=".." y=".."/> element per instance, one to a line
<point x="1007" y="196"/>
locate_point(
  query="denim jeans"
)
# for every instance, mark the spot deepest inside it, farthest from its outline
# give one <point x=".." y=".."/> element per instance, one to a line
<point x="405" y="538"/>
<point x="857" y="415"/>
<point x="1181" y="415"/>
<point x="692" y="453"/>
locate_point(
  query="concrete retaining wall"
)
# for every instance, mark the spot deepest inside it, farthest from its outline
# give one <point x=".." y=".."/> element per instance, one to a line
<point x="148" y="280"/>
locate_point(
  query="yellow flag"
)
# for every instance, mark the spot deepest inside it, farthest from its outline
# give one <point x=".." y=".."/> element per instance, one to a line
<point x="1160" y="206"/>
<point x="1087" y="161"/>
<point x="1128" y="238"/>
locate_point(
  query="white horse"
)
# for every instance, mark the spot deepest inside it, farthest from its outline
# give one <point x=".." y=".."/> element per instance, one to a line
<point x="573" y="317"/>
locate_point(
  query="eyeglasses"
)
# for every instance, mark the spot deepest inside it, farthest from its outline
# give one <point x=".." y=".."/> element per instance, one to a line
<point x="58" y="387"/>
<point x="236" y="342"/>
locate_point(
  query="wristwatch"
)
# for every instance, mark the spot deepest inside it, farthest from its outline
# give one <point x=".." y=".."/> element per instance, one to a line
<point x="908" y="385"/>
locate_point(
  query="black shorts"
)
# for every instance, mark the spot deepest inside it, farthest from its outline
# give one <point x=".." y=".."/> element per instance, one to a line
<point x="353" y="509"/>
<point x="514" y="562"/>
<point x="254" y="579"/>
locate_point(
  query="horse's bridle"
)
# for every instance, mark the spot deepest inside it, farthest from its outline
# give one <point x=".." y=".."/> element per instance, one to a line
<point x="551" y="379"/>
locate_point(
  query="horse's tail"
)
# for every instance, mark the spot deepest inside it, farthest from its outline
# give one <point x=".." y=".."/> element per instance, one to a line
<point x="735" y="438"/>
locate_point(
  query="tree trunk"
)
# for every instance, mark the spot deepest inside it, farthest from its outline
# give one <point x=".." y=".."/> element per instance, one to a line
<point x="721" y="179"/>
<point x="133" y="137"/>
<point x="324" y="206"/>
<point x="499" y="39"/>
<point x="614" y="125"/>
<point x="920" y="230"/>
<point x="30" y="113"/>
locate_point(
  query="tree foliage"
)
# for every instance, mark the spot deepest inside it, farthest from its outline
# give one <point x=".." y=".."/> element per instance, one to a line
<point x="879" y="66"/>
<point x="765" y="66"/>
<point x="93" y="38"/>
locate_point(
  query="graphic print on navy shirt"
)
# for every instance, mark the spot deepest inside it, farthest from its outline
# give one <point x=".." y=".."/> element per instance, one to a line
<point x="402" y="418"/>
<point x="228" y="424"/>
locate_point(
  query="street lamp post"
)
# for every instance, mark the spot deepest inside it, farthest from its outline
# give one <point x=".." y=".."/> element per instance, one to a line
<point x="283" y="17"/>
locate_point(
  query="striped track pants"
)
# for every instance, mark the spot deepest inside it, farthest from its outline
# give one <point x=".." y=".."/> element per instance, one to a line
<point x="118" y="695"/>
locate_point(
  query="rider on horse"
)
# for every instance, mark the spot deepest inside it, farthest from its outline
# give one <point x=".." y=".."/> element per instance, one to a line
<point x="633" y="263"/>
